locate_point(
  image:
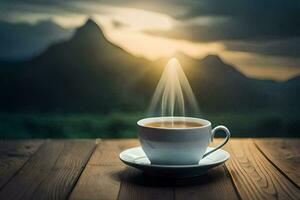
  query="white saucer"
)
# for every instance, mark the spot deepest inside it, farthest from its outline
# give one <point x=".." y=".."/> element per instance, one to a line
<point x="135" y="157"/>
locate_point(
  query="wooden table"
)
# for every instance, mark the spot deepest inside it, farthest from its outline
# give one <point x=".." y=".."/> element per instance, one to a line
<point x="91" y="169"/>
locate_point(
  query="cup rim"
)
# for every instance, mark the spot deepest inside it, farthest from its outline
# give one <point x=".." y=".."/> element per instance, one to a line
<point x="142" y="122"/>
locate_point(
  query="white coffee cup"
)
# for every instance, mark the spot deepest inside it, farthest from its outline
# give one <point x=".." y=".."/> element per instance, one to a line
<point x="178" y="146"/>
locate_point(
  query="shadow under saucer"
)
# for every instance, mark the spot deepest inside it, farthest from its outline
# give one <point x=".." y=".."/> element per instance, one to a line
<point x="137" y="177"/>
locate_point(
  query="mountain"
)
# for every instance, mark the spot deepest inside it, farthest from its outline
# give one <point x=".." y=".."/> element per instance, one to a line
<point x="23" y="40"/>
<point x="219" y="86"/>
<point x="87" y="73"/>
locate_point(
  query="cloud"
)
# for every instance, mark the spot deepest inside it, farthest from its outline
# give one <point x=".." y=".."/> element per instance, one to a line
<point x="118" y="24"/>
<point x="243" y="19"/>
<point x="286" y="47"/>
<point x="268" y="29"/>
<point x="232" y="29"/>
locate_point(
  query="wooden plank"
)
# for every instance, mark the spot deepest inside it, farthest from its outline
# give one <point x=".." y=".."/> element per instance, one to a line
<point x="215" y="184"/>
<point x="107" y="152"/>
<point x="284" y="154"/>
<point x="254" y="176"/>
<point x="101" y="177"/>
<point x="106" y="177"/>
<point x="98" y="182"/>
<point x="52" y="172"/>
<point x="13" y="155"/>
<point x="136" y="185"/>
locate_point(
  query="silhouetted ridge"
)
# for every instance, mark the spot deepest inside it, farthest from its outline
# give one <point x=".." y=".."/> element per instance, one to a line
<point x="215" y="65"/>
<point x="48" y="24"/>
<point x="294" y="80"/>
<point x="212" y="59"/>
<point x="89" y="29"/>
<point x="88" y="73"/>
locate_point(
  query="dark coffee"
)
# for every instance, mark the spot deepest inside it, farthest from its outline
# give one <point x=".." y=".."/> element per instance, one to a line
<point x="174" y="124"/>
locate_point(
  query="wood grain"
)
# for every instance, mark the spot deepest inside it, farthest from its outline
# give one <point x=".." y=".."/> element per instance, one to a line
<point x="106" y="177"/>
<point x="215" y="184"/>
<point x="55" y="168"/>
<point x="98" y="182"/>
<point x="136" y="185"/>
<point x="254" y="176"/>
<point x="13" y="155"/>
<point x="101" y="177"/>
<point x="107" y="152"/>
<point x="284" y="154"/>
<point x="52" y="172"/>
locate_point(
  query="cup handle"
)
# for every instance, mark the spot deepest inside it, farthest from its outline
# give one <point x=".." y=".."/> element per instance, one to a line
<point x="223" y="128"/>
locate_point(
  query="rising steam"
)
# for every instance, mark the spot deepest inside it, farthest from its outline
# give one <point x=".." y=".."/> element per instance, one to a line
<point x="173" y="95"/>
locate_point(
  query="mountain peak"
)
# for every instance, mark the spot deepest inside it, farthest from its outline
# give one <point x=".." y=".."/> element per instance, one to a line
<point x="294" y="80"/>
<point x="90" y="23"/>
<point x="212" y="58"/>
<point x="90" y="27"/>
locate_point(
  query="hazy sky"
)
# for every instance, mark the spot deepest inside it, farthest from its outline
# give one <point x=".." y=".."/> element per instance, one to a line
<point x="260" y="37"/>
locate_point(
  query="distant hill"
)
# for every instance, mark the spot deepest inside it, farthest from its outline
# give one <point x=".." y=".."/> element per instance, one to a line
<point x="23" y="40"/>
<point x="219" y="86"/>
<point x="87" y="73"/>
